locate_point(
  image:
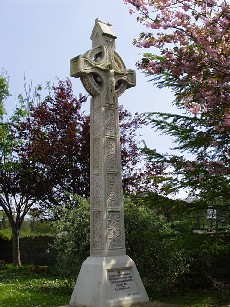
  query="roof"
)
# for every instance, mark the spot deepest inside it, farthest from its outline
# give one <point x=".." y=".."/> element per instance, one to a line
<point x="104" y="29"/>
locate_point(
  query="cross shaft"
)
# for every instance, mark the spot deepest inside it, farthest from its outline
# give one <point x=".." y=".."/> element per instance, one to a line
<point x="105" y="77"/>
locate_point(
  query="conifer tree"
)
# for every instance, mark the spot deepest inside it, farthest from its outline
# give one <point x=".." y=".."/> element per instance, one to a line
<point x="190" y="40"/>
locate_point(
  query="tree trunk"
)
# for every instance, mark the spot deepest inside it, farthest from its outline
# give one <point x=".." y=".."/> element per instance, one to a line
<point x="16" y="247"/>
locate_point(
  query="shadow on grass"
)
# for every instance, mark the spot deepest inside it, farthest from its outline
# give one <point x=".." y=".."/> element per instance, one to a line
<point x="198" y="298"/>
<point x="24" y="288"/>
<point x="21" y="288"/>
<point x="35" y="299"/>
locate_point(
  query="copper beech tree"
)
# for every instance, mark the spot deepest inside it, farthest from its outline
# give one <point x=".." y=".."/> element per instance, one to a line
<point x="189" y="52"/>
<point x="45" y="149"/>
<point x="60" y="148"/>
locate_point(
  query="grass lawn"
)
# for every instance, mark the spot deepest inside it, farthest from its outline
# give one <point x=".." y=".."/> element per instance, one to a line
<point x="23" y="287"/>
<point x="29" y="287"/>
<point x="199" y="298"/>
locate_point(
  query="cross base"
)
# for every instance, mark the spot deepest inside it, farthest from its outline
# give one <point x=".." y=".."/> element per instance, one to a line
<point x="108" y="282"/>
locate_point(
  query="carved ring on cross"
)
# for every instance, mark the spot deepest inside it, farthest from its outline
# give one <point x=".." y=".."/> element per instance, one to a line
<point x="101" y="69"/>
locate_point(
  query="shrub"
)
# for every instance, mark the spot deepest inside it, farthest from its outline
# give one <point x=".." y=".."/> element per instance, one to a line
<point x="152" y="246"/>
<point x="72" y="240"/>
<point x="148" y="242"/>
<point x="208" y="260"/>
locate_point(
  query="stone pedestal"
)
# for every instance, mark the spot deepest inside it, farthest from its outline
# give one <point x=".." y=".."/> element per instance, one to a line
<point x="107" y="282"/>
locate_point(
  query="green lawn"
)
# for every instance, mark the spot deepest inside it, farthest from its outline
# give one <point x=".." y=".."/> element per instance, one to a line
<point x="26" y="287"/>
<point x="23" y="287"/>
<point x="200" y="298"/>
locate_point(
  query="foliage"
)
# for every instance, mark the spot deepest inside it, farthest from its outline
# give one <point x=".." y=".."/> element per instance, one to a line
<point x="138" y="174"/>
<point x="188" y="215"/>
<point x="72" y="240"/>
<point x="38" y="228"/>
<point x="30" y="228"/>
<point x="198" y="166"/>
<point x="142" y="225"/>
<point x="191" y="43"/>
<point x="59" y="147"/>
<point x="5" y="235"/>
<point x="193" y="39"/>
<point x="168" y="261"/>
<point x="202" y="250"/>
<point x="55" y="150"/>
<point x="156" y="255"/>
<point x="45" y="154"/>
<point x="27" y="286"/>
<point x="4" y="93"/>
<point x="207" y="254"/>
<point x="18" y="182"/>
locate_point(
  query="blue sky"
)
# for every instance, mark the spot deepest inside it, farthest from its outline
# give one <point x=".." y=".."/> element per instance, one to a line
<point x="39" y="37"/>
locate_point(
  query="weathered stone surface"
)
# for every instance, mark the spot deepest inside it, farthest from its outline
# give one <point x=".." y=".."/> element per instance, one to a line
<point x="105" y="77"/>
<point x="108" y="277"/>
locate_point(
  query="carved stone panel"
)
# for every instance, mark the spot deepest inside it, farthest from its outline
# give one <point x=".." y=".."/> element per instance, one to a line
<point x="107" y="102"/>
<point x="96" y="102"/>
<point x="112" y="191"/>
<point x="111" y="153"/>
<point x="97" y="191"/>
<point x="96" y="40"/>
<point x="109" y="42"/>
<point x="97" y="230"/>
<point x="96" y="155"/>
<point x="110" y="122"/>
<point x="96" y="122"/>
<point x="114" y="230"/>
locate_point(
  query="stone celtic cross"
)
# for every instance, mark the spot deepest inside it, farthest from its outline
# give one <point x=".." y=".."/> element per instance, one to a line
<point x="105" y="77"/>
<point x="108" y="277"/>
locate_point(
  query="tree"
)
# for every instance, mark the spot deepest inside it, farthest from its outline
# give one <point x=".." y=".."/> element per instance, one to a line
<point x="4" y="93"/>
<point x="192" y="43"/>
<point x="45" y="155"/>
<point x="60" y="145"/>
<point x="57" y="127"/>
<point x="17" y="178"/>
<point x="35" y="215"/>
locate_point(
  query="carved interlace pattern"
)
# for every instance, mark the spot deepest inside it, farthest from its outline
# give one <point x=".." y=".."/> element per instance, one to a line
<point x="111" y="153"/>
<point x="74" y="66"/>
<point x="96" y="154"/>
<point x="90" y="85"/>
<point x="130" y="77"/>
<point x="96" y="102"/>
<point x="105" y="77"/>
<point x="96" y="122"/>
<point x="114" y="230"/>
<point x="87" y="65"/>
<point x="96" y="40"/>
<point x="109" y="42"/>
<point x="97" y="230"/>
<point x="112" y="191"/>
<point x="97" y="198"/>
<point x="107" y="100"/>
<point x="110" y="122"/>
<point x="118" y="62"/>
